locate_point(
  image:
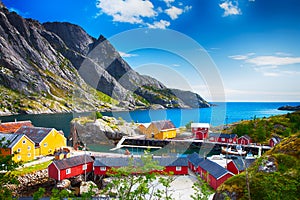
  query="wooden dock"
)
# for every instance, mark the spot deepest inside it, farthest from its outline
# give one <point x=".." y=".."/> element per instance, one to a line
<point x="141" y="142"/>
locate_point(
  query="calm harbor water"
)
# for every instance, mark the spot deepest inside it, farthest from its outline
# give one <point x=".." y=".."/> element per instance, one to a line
<point x="220" y="114"/>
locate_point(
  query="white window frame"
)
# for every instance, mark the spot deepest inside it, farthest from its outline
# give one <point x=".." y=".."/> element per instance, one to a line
<point x="19" y="150"/>
<point x="24" y="141"/>
<point x="29" y="155"/>
<point x="29" y="148"/>
<point x="68" y="171"/>
<point x="102" y="168"/>
<point x="178" y="168"/>
<point x="19" y="157"/>
<point x="45" y="144"/>
<point x="84" y="167"/>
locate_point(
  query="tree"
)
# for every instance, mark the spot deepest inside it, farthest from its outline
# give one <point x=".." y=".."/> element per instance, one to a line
<point x="202" y="190"/>
<point x="188" y="125"/>
<point x="138" y="181"/>
<point x="7" y="165"/>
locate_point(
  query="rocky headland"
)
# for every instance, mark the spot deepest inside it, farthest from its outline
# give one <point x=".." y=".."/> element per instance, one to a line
<point x="289" y="108"/>
<point x="58" y="67"/>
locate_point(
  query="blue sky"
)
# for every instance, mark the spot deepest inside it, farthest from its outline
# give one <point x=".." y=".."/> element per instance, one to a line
<point x="254" y="44"/>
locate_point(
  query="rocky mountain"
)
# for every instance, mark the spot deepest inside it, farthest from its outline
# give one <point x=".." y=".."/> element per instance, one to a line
<point x="58" y="67"/>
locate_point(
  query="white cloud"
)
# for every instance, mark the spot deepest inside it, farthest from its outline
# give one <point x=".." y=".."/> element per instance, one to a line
<point x="141" y="12"/>
<point x="168" y="2"/>
<point x="270" y="65"/>
<point x="187" y="8"/>
<point x="241" y="57"/>
<point x="174" y="12"/>
<point x="273" y="60"/>
<point x="162" y="24"/>
<point x="230" y="8"/>
<point x="126" y="55"/>
<point x="131" y="11"/>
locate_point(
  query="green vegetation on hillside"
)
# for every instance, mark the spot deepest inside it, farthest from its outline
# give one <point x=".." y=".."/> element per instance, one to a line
<point x="281" y="183"/>
<point x="260" y="130"/>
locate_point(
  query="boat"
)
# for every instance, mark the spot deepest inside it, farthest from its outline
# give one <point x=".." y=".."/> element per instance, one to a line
<point x="238" y="151"/>
<point x="250" y="156"/>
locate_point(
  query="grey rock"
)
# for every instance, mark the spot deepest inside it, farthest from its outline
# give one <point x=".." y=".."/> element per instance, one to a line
<point x="59" y="63"/>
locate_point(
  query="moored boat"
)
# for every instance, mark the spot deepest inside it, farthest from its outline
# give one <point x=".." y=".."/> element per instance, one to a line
<point x="237" y="151"/>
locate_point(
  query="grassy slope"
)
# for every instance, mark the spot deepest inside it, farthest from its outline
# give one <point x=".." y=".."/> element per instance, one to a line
<point x="282" y="184"/>
<point x="261" y="130"/>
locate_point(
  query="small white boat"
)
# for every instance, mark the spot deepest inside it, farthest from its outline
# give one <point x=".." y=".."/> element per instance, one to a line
<point x="238" y="151"/>
<point x="250" y="156"/>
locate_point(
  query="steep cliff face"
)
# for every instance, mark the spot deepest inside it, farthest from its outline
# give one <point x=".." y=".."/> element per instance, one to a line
<point x="58" y="67"/>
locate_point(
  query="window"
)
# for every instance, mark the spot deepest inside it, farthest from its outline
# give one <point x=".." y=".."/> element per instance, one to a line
<point x="45" y="144"/>
<point x="68" y="171"/>
<point x="19" y="157"/>
<point x="84" y="167"/>
<point x="29" y="147"/>
<point x="178" y="168"/>
<point x="102" y="168"/>
<point x="24" y="141"/>
<point x="29" y="155"/>
<point x="19" y="150"/>
<point x="223" y="139"/>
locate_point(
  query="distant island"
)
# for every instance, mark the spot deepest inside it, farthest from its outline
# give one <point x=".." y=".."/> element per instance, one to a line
<point x="289" y="108"/>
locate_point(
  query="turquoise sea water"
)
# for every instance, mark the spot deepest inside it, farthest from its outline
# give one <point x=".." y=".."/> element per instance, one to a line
<point x="220" y="114"/>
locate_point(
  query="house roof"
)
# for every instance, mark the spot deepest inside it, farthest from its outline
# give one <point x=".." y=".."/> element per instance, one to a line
<point x="200" y="125"/>
<point x="10" y="139"/>
<point x="163" y="125"/>
<point x="115" y="161"/>
<point x="213" y="168"/>
<point x="222" y="135"/>
<point x="246" y="137"/>
<point x="240" y="165"/>
<point x="36" y="134"/>
<point x="11" y="127"/>
<point x="72" y="161"/>
<point x="125" y="161"/>
<point x="172" y="161"/>
<point x="276" y="139"/>
<point x="195" y="159"/>
<point x="146" y="125"/>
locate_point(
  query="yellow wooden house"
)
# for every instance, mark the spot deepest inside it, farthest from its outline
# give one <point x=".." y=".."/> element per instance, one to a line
<point x="46" y="140"/>
<point x="164" y="129"/>
<point x="18" y="144"/>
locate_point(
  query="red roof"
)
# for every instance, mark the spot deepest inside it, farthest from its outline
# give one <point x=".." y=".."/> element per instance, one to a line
<point x="11" y="127"/>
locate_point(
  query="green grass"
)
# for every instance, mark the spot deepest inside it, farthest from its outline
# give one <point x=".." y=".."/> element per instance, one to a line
<point x="32" y="169"/>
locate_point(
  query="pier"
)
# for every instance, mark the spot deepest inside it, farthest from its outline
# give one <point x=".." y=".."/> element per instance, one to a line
<point x="141" y="142"/>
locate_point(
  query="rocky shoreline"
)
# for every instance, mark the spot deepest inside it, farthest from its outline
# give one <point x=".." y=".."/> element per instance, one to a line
<point x="289" y="108"/>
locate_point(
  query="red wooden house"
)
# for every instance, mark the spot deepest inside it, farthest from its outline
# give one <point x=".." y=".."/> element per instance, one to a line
<point x="103" y="165"/>
<point x="237" y="166"/>
<point x="70" y="167"/>
<point x="245" y="139"/>
<point x="213" y="173"/>
<point x="223" y="138"/>
<point x="193" y="161"/>
<point x="173" y="165"/>
<point x="200" y="130"/>
<point x="274" y="141"/>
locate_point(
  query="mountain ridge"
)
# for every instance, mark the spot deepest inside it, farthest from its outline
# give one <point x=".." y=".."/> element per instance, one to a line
<point x="58" y="67"/>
